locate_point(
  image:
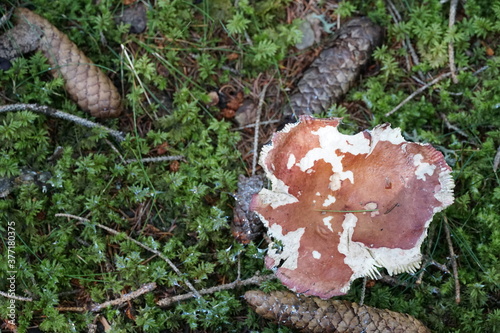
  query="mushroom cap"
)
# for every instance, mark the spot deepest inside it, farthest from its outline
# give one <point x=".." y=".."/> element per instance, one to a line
<point x="340" y="206"/>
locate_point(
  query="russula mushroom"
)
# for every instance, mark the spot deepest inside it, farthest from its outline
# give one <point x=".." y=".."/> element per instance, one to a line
<point x="340" y="206"/>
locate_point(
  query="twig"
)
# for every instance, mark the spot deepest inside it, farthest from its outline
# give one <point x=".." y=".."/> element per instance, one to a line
<point x="257" y="122"/>
<point x="256" y="279"/>
<point x="363" y="291"/>
<point x="156" y="159"/>
<point x="451" y="51"/>
<point x="496" y="160"/>
<point x="406" y="42"/>
<point x="453" y="127"/>
<point x="428" y="250"/>
<point x="418" y="91"/>
<point x="393" y="281"/>
<point x="268" y="122"/>
<point x="158" y="253"/>
<point x="48" y="111"/>
<point x="17" y="298"/>
<point x="125" y="298"/>
<point x="453" y="259"/>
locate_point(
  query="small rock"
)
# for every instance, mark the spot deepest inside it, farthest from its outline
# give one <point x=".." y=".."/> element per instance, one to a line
<point x="135" y="16"/>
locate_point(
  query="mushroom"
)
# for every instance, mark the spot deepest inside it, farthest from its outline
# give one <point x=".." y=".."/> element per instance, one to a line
<point x="341" y="206"/>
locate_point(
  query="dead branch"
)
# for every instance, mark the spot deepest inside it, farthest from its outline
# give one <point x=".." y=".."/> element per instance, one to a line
<point x="451" y="51"/>
<point x="48" y="111"/>
<point x="158" y="253"/>
<point x="453" y="259"/>
<point x="256" y="279"/>
<point x="257" y="121"/>
<point x="125" y="298"/>
<point x="16" y="297"/>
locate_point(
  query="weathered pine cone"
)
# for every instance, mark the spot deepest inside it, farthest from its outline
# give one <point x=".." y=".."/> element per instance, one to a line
<point x="91" y="89"/>
<point x="312" y="314"/>
<point x="335" y="70"/>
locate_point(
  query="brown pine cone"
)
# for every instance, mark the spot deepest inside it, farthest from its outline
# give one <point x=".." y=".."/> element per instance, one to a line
<point x="312" y="314"/>
<point x="335" y="70"/>
<point x="91" y="89"/>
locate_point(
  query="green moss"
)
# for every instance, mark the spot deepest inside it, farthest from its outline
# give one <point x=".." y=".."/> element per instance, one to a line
<point x="184" y="211"/>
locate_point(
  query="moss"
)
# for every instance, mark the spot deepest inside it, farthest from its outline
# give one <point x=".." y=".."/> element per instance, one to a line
<point x="183" y="210"/>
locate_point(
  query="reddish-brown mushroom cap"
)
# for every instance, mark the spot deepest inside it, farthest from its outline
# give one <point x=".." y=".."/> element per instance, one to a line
<point x="342" y="205"/>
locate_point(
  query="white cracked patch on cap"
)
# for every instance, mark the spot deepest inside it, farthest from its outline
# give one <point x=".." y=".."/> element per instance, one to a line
<point x="330" y="200"/>
<point x="364" y="260"/>
<point x="291" y="161"/>
<point x="290" y="242"/>
<point x="328" y="222"/>
<point x="316" y="255"/>
<point x="422" y="167"/>
<point x="276" y="199"/>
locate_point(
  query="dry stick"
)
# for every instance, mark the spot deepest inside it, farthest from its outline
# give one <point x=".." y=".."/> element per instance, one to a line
<point x="156" y="159"/>
<point x="125" y="298"/>
<point x="158" y="253"/>
<point x="48" y="111"/>
<point x="453" y="259"/>
<point x="418" y="91"/>
<point x="496" y="160"/>
<point x="268" y="122"/>
<point x="17" y="298"/>
<point x="452" y="127"/>
<point x="407" y="42"/>
<point x="257" y="279"/>
<point x="451" y="51"/>
<point x="430" y="237"/>
<point x="257" y="122"/>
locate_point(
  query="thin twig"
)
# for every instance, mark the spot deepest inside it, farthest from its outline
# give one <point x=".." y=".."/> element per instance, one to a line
<point x="453" y="259"/>
<point x="453" y="127"/>
<point x="99" y="307"/>
<point x="451" y="51"/>
<point x="156" y="159"/>
<point x="363" y="291"/>
<point x="257" y="279"/>
<point x="406" y="42"/>
<point x="430" y="238"/>
<point x="48" y="111"/>
<point x="496" y="160"/>
<point x="158" y="253"/>
<point x="257" y="123"/>
<point x="125" y="298"/>
<point x="268" y="122"/>
<point x="16" y="297"/>
<point x="418" y="91"/>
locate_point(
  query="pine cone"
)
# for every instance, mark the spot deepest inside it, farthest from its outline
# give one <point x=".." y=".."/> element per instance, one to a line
<point x="91" y="89"/>
<point x="312" y="314"/>
<point x="335" y="70"/>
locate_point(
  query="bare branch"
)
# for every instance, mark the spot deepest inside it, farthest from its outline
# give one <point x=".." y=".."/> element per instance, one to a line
<point x="453" y="259"/>
<point x="158" y="253"/>
<point x="257" y="279"/>
<point x="419" y="90"/>
<point x="48" y="111"/>
<point x="155" y="159"/>
<point x="257" y="121"/>
<point x="451" y="51"/>
<point x="125" y="298"/>
<point x="17" y="298"/>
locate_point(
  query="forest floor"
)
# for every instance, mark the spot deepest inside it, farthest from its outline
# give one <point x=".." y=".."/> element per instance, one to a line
<point x="90" y="219"/>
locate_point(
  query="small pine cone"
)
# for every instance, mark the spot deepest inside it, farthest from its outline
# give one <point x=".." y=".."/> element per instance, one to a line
<point x="335" y="70"/>
<point x="87" y="85"/>
<point x="312" y="314"/>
